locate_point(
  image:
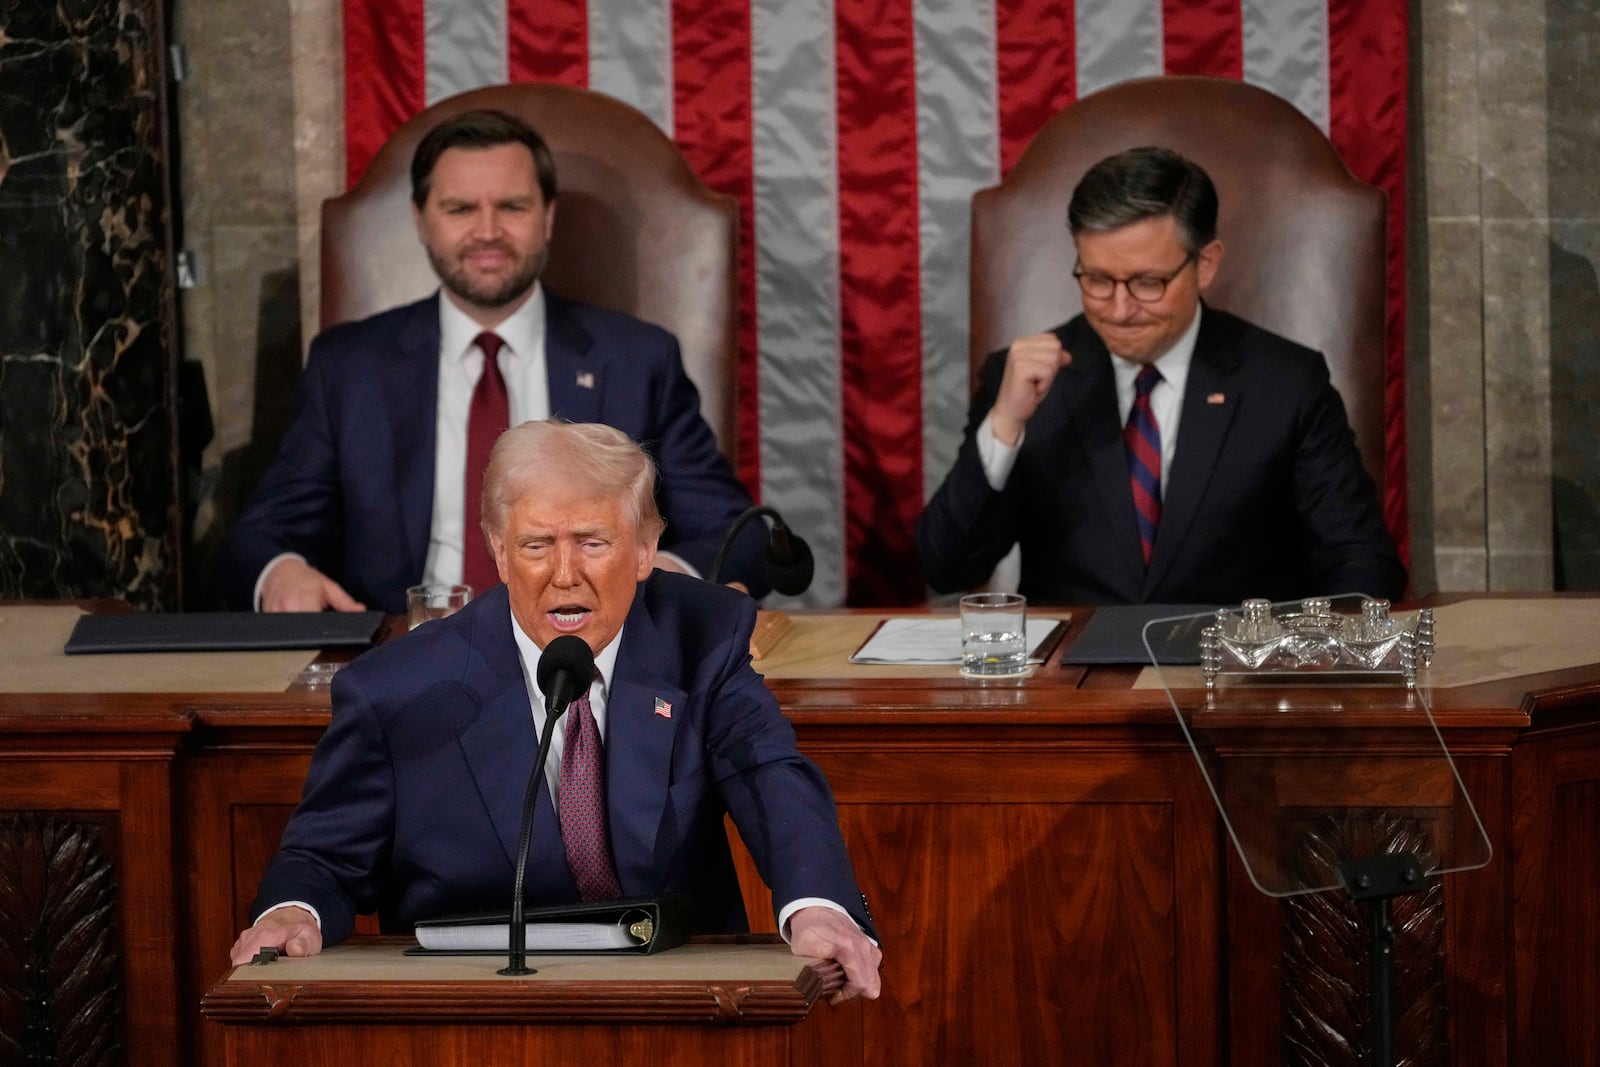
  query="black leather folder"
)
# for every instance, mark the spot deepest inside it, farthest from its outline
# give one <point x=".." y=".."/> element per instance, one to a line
<point x="222" y="631"/>
<point x="1115" y="634"/>
<point x="639" y="927"/>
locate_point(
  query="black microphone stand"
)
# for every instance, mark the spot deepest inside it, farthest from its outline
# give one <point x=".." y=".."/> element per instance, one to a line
<point x="516" y="961"/>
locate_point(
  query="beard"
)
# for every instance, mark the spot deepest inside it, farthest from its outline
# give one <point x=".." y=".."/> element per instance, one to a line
<point x="494" y="292"/>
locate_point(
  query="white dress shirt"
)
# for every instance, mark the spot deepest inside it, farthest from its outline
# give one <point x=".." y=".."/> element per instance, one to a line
<point x="522" y="363"/>
<point x="1166" y="404"/>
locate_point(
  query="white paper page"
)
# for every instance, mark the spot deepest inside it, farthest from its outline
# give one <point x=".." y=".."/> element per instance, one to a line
<point x="934" y="640"/>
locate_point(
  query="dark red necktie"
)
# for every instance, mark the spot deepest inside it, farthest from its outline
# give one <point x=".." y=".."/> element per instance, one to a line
<point x="1143" y="438"/>
<point x="488" y="417"/>
<point x="583" y="806"/>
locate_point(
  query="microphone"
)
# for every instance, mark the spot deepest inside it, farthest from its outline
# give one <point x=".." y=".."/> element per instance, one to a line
<point x="790" y="564"/>
<point x="566" y="667"/>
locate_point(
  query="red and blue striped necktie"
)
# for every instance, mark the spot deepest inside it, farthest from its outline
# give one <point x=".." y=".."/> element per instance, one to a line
<point x="1143" y="438"/>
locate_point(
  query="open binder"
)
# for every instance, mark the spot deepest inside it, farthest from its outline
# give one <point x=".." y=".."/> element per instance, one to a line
<point x="604" y="928"/>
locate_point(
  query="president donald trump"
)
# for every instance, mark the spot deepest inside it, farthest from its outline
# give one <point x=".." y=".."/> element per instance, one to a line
<point x="412" y="804"/>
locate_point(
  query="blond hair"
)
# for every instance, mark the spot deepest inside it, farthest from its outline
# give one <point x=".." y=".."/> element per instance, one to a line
<point x="589" y="453"/>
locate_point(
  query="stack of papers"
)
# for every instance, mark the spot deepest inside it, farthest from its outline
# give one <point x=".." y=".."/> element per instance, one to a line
<point x="935" y="640"/>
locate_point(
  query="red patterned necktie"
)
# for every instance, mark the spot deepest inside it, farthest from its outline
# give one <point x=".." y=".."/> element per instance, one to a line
<point x="583" y="806"/>
<point x="1143" y="438"/>
<point x="487" y="418"/>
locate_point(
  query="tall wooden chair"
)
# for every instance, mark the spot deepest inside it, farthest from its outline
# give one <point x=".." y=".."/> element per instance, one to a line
<point x="635" y="231"/>
<point x="1305" y="239"/>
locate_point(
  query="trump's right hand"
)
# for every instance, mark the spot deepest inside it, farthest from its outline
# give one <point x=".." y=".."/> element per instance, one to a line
<point x="1031" y="365"/>
<point x="292" y="929"/>
<point x="292" y="584"/>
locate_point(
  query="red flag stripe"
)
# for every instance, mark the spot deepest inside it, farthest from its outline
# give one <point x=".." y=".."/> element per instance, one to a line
<point x="385" y="72"/>
<point x="713" y="125"/>
<point x="1367" y="68"/>
<point x="1036" y="69"/>
<point x="1203" y="37"/>
<point x="881" y="335"/>
<point x="548" y="41"/>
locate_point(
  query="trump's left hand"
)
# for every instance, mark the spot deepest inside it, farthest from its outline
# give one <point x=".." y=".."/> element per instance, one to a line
<point x="831" y="935"/>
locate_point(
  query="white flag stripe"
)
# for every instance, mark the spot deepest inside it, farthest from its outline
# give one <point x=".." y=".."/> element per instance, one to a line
<point x="630" y="54"/>
<point x="958" y="152"/>
<point x="465" y="46"/>
<point x="1286" y="51"/>
<point x="796" y="213"/>
<point x="1118" y="40"/>
<point x="795" y="144"/>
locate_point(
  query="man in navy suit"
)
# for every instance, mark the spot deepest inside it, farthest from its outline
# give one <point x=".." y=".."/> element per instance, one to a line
<point x="413" y="801"/>
<point x="1154" y="449"/>
<point x="369" y="491"/>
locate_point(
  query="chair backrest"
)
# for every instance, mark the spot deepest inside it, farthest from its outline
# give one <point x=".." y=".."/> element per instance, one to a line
<point x="1304" y="239"/>
<point x="635" y="231"/>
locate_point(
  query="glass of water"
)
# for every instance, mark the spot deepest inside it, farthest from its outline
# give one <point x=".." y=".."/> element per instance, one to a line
<point x="994" y="629"/>
<point x="424" y="602"/>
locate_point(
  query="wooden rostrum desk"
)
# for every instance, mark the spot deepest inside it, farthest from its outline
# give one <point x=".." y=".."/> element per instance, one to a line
<point x="1045" y="863"/>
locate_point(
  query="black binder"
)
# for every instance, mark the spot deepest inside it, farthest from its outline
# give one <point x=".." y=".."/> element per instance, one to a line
<point x="1115" y="634"/>
<point x="222" y="631"/>
<point x="642" y="927"/>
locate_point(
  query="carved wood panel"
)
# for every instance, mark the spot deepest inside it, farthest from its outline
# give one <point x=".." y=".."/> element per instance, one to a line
<point x="60" y="966"/>
<point x="1327" y="958"/>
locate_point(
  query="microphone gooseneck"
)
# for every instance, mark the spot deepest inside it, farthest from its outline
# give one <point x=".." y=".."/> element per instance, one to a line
<point x="565" y="670"/>
<point x="790" y="564"/>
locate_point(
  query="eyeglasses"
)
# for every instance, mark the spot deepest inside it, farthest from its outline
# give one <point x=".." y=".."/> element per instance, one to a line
<point x="1145" y="288"/>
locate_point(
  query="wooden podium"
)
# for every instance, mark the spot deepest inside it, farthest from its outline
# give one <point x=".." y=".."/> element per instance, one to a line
<point x="719" y="1000"/>
<point x="1047" y="868"/>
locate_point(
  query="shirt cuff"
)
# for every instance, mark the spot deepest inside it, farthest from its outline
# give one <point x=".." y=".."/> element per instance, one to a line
<point x="996" y="456"/>
<point x="811" y="902"/>
<point x="291" y="904"/>
<point x="261" y="579"/>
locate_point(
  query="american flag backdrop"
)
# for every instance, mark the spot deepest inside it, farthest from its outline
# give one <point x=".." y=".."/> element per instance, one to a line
<point x="854" y="133"/>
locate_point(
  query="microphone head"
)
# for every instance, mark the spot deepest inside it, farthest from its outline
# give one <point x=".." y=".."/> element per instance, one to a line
<point x="790" y="565"/>
<point x="565" y="670"/>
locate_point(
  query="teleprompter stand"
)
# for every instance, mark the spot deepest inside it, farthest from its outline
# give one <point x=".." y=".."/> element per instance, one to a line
<point x="1377" y="881"/>
<point x="1331" y="778"/>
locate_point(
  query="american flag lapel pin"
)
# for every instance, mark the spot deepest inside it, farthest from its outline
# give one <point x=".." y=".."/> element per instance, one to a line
<point x="1216" y="398"/>
<point x="585" y="379"/>
<point x="663" y="709"/>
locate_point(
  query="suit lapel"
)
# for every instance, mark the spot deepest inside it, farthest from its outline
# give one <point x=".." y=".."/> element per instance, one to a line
<point x="639" y="745"/>
<point x="1093" y="405"/>
<point x="412" y="393"/>
<point x="576" y="375"/>
<point x="500" y="743"/>
<point x="1210" y="399"/>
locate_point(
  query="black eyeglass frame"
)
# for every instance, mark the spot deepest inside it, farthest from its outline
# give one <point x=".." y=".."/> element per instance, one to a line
<point x="1159" y="281"/>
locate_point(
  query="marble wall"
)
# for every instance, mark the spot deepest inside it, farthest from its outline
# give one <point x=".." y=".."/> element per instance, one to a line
<point x="1504" y="313"/>
<point x="260" y="155"/>
<point x="1572" y="59"/>
<point x="87" y="484"/>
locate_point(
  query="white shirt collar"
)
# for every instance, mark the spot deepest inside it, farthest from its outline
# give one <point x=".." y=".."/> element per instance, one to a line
<point x="605" y="661"/>
<point x="522" y="331"/>
<point x="1173" y="363"/>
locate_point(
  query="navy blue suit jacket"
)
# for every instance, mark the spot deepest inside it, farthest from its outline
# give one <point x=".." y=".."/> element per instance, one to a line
<point x="1266" y="497"/>
<point x="414" y="798"/>
<point x="351" y="487"/>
